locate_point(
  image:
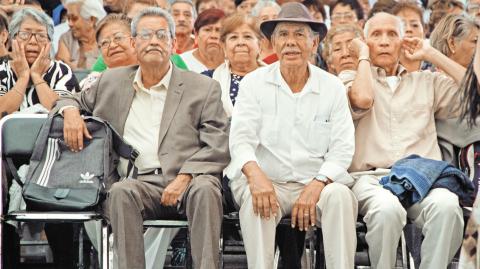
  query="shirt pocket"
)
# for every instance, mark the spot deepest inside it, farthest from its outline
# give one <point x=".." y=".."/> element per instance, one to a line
<point x="269" y="130"/>
<point x="319" y="137"/>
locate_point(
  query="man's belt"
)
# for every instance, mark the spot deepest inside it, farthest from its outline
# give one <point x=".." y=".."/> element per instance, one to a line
<point x="156" y="171"/>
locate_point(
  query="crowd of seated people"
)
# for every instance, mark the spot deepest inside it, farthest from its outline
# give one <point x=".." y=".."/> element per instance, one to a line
<point x="303" y="110"/>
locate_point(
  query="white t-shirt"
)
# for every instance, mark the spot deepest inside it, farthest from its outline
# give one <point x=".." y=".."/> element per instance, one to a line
<point x="193" y="63"/>
<point x="393" y="82"/>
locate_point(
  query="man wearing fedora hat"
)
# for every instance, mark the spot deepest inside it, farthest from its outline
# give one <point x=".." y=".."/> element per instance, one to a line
<point x="291" y="142"/>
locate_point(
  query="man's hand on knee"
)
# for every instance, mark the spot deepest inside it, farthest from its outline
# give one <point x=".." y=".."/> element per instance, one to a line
<point x="264" y="198"/>
<point x="173" y="191"/>
<point x="305" y="209"/>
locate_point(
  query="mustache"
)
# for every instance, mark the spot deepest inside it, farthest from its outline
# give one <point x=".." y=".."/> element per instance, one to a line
<point x="150" y="49"/>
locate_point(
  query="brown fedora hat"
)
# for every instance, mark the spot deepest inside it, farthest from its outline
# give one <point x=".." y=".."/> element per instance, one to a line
<point x="294" y="12"/>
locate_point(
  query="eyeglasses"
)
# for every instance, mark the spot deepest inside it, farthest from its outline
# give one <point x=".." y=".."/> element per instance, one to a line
<point x="117" y="38"/>
<point x="346" y="16"/>
<point x="40" y="37"/>
<point x="161" y="34"/>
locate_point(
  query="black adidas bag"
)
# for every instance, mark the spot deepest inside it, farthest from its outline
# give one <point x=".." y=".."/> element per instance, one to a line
<point x="62" y="180"/>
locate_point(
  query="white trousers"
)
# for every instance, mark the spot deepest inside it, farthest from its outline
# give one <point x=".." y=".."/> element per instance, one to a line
<point x="438" y="215"/>
<point x="336" y="215"/>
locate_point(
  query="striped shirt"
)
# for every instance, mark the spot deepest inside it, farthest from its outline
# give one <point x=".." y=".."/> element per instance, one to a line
<point x="59" y="77"/>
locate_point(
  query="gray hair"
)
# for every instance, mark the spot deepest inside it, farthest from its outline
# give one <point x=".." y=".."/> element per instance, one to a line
<point x="155" y="12"/>
<point x="263" y="4"/>
<point x="194" y="11"/>
<point x="401" y="24"/>
<point x="35" y="14"/>
<point x="452" y="26"/>
<point x="89" y="8"/>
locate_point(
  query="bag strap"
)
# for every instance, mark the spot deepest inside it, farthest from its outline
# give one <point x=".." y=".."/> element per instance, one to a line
<point x="124" y="150"/>
<point x="13" y="171"/>
<point x="42" y="138"/>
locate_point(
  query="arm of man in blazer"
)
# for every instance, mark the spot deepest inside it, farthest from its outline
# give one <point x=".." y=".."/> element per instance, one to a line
<point x="74" y="128"/>
<point x="214" y="155"/>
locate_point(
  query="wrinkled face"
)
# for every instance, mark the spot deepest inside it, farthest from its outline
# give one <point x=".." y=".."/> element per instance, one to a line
<point x="207" y="5"/>
<point x="228" y="6"/>
<point x="246" y="6"/>
<point x="268" y="13"/>
<point x="343" y="14"/>
<point x="413" y="23"/>
<point x="33" y="37"/>
<point x="116" y="46"/>
<point x="340" y="57"/>
<point x="153" y="43"/>
<point x="473" y="8"/>
<point x="241" y="45"/>
<point x="208" y="39"/>
<point x="465" y="48"/>
<point x="77" y="24"/>
<point x="183" y="15"/>
<point x="294" y="43"/>
<point x="384" y="41"/>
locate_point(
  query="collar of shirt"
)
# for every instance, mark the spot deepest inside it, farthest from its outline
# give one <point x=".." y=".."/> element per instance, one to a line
<point x="276" y="78"/>
<point x="380" y="72"/>
<point x="163" y="84"/>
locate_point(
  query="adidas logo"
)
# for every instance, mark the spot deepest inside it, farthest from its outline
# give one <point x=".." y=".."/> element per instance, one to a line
<point x="86" y="178"/>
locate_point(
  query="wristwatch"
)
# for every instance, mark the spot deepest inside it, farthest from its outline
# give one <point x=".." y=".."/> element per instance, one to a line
<point x="321" y="178"/>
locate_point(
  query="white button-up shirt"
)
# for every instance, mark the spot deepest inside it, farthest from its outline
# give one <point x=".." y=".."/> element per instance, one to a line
<point x="292" y="136"/>
<point x="142" y="127"/>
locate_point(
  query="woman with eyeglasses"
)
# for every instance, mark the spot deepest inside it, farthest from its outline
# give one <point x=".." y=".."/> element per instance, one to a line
<point x="31" y="78"/>
<point x="113" y="35"/>
<point x="31" y="82"/>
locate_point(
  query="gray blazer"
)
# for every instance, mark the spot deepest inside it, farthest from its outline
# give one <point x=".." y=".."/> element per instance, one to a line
<point x="193" y="134"/>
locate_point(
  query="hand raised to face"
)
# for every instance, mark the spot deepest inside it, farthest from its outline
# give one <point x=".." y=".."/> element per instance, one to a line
<point x="19" y="62"/>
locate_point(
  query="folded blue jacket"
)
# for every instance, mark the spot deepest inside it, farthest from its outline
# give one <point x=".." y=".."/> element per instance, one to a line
<point x="411" y="179"/>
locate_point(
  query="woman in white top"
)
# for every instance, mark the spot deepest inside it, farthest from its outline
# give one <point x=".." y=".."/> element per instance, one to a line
<point x="240" y="39"/>
<point x="209" y="54"/>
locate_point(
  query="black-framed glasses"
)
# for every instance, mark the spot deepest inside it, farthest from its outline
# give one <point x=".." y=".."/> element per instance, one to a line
<point x="117" y="38"/>
<point x="40" y="37"/>
<point x="147" y="34"/>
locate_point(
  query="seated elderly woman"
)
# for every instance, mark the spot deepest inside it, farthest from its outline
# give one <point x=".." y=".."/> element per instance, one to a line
<point x="340" y="53"/>
<point x="31" y="81"/>
<point x="239" y="37"/>
<point x="455" y="37"/>
<point x="209" y="54"/>
<point x="31" y="77"/>
<point x="113" y="36"/>
<point x="78" y="47"/>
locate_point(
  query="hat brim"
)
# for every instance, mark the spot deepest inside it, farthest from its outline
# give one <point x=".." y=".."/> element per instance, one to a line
<point x="267" y="27"/>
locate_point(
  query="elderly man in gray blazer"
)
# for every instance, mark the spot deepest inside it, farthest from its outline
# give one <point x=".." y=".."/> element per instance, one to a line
<point x="175" y="119"/>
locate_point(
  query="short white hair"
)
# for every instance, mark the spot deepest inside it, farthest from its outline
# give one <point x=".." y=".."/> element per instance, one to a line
<point x="156" y="12"/>
<point x="401" y="24"/>
<point x="263" y="4"/>
<point x="89" y="8"/>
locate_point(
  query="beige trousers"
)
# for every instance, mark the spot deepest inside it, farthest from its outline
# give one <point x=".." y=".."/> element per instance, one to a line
<point x="336" y="215"/>
<point x="438" y="215"/>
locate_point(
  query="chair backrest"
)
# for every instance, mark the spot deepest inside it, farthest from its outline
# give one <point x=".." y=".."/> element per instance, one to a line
<point x="19" y="133"/>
